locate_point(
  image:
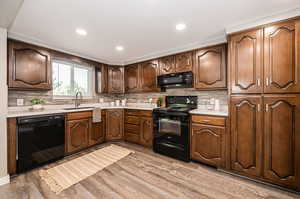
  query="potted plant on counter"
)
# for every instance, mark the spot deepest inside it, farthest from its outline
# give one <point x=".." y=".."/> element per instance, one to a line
<point x="37" y="103"/>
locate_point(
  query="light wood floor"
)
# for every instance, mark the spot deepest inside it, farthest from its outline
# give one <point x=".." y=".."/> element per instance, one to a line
<point x="145" y="175"/>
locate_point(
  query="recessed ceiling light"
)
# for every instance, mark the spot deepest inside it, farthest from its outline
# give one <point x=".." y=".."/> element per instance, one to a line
<point x="180" y="26"/>
<point x="81" y="32"/>
<point x="119" y="48"/>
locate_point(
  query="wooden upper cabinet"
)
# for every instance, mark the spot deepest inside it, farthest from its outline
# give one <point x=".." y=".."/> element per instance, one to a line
<point x="246" y="51"/>
<point x="167" y="65"/>
<point x="148" y="75"/>
<point x="114" y="124"/>
<point x="115" y="79"/>
<point x="210" y="68"/>
<point x="146" y="131"/>
<point x="104" y="78"/>
<point x="77" y="134"/>
<point x="184" y="62"/>
<point x="97" y="134"/>
<point x="246" y="134"/>
<point x="282" y="72"/>
<point x="132" y="83"/>
<point x="282" y="139"/>
<point x="208" y="144"/>
<point x="29" y="67"/>
<point x="101" y="78"/>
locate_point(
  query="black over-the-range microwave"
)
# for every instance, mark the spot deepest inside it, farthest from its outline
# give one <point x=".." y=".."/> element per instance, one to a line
<point x="176" y="80"/>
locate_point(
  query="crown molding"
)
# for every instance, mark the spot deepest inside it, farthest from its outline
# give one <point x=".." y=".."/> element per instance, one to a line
<point x="21" y="37"/>
<point x="262" y="20"/>
<point x="217" y="40"/>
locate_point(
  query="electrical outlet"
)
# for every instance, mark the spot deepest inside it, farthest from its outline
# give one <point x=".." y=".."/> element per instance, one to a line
<point x="20" y="102"/>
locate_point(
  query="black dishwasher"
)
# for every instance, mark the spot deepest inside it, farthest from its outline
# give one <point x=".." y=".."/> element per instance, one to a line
<point x="40" y="140"/>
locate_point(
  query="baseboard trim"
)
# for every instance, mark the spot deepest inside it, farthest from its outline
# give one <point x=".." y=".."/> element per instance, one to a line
<point x="4" y="180"/>
<point x="260" y="182"/>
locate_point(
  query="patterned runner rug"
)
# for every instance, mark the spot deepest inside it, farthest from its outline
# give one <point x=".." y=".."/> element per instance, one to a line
<point x="69" y="173"/>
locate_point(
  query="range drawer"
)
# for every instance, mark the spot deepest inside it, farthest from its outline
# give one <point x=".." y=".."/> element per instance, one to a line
<point x="218" y="121"/>
<point x="132" y="119"/>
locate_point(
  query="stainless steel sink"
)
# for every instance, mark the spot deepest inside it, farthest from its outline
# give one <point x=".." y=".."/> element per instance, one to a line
<point x="78" y="108"/>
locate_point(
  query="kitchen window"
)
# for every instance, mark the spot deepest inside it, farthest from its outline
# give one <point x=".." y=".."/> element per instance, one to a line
<point x="69" y="78"/>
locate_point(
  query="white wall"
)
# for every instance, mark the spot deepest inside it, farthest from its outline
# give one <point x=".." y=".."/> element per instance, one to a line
<point x="4" y="178"/>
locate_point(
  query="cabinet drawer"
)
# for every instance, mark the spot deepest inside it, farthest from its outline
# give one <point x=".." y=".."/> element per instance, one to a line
<point x="139" y="112"/>
<point x="218" y="121"/>
<point x="130" y="137"/>
<point x="132" y="119"/>
<point x="132" y="128"/>
<point x="79" y="115"/>
<point x="132" y="112"/>
<point x="146" y="113"/>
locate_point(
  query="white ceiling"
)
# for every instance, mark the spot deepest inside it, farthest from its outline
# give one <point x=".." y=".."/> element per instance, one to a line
<point x="146" y="28"/>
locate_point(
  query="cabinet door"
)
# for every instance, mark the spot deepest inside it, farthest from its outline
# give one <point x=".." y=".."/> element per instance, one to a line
<point x="131" y="78"/>
<point x="246" y="134"/>
<point x="184" y="62"/>
<point x="29" y="67"/>
<point x="115" y="79"/>
<point x="77" y="134"/>
<point x="148" y="75"/>
<point x="210" y="68"/>
<point x="282" y="73"/>
<point x="146" y="133"/>
<point x="104" y="78"/>
<point x="167" y="65"/>
<point x="246" y="62"/>
<point x="282" y="139"/>
<point x="101" y="79"/>
<point x="97" y="135"/>
<point x="114" y="124"/>
<point x="208" y="144"/>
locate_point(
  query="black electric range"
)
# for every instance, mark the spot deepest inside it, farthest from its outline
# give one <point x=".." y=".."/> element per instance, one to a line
<point x="171" y="127"/>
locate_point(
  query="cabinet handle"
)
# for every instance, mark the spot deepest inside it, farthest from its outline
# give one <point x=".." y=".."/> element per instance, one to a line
<point x="258" y="82"/>
<point x="267" y="81"/>
<point x="258" y="108"/>
<point x="188" y="62"/>
<point x="267" y="107"/>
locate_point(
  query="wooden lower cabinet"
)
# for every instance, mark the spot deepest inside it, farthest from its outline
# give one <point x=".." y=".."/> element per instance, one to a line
<point x="97" y="135"/>
<point x="139" y="127"/>
<point x="114" y="124"/>
<point x="77" y="134"/>
<point x="146" y="131"/>
<point x="208" y="144"/>
<point x="265" y="138"/>
<point x="246" y="134"/>
<point x="208" y="140"/>
<point x="282" y="139"/>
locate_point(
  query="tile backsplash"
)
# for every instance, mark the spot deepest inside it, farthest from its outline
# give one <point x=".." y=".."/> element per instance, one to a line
<point x="203" y="96"/>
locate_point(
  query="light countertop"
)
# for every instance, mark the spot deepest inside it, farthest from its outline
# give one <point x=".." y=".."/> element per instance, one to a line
<point x="222" y="112"/>
<point x="56" y="109"/>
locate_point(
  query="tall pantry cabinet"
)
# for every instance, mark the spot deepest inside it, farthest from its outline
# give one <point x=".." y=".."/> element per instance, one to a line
<point x="264" y="66"/>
